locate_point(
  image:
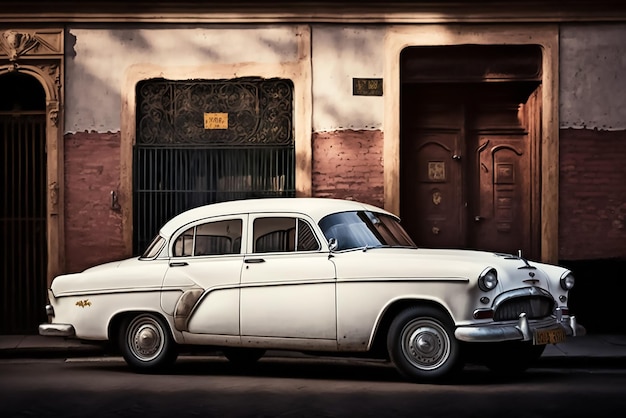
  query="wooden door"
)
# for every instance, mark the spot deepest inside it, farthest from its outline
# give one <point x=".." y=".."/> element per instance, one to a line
<point x="468" y="177"/>
<point x="433" y="198"/>
<point x="500" y="179"/>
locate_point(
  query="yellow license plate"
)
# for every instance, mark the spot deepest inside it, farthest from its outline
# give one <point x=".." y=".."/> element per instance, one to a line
<point x="549" y="336"/>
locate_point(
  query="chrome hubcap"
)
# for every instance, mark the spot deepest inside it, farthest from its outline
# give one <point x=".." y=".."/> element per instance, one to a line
<point x="425" y="344"/>
<point x="145" y="338"/>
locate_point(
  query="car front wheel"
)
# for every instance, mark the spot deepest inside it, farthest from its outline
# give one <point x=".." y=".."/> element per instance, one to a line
<point x="146" y="343"/>
<point x="422" y="345"/>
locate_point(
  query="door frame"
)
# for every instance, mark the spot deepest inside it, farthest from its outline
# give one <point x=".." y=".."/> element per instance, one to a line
<point x="298" y="71"/>
<point x="40" y="54"/>
<point x="547" y="37"/>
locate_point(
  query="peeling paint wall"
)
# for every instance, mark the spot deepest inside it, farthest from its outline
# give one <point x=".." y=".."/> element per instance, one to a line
<point x="99" y="57"/>
<point x="349" y="165"/>
<point x="592" y="191"/>
<point x="347" y="130"/>
<point x="96" y="72"/>
<point x="593" y="76"/>
<point x="92" y="227"/>
<point x="340" y="54"/>
<point x="347" y="140"/>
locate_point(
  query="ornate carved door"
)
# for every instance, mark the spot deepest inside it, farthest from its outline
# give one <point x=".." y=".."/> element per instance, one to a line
<point x="468" y="179"/>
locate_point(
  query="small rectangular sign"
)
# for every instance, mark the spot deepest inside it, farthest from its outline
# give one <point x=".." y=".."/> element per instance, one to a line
<point x="216" y="121"/>
<point x="367" y="86"/>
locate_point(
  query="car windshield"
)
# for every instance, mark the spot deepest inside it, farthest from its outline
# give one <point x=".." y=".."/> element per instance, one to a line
<point x="154" y="248"/>
<point x="363" y="229"/>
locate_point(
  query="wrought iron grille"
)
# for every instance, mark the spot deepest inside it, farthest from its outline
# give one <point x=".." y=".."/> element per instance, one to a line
<point x="23" y="222"/>
<point x="173" y="112"/>
<point x="178" y="164"/>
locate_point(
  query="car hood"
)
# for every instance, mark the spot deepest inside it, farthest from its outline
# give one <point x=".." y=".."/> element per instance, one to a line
<point x="429" y="264"/>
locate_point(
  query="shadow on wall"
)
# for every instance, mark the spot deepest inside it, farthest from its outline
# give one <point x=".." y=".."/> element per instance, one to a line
<point x="598" y="295"/>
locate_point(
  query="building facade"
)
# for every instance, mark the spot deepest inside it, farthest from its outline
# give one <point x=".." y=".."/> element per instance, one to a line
<point x="496" y="125"/>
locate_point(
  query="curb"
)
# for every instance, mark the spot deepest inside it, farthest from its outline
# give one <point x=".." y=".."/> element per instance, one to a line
<point x="612" y="362"/>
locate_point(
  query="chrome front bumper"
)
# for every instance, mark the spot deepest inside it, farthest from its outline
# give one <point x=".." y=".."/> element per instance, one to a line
<point x="522" y="330"/>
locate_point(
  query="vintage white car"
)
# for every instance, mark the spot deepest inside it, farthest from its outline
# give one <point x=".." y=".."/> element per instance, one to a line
<point x="320" y="276"/>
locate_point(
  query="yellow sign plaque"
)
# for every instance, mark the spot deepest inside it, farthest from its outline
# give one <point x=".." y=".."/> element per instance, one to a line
<point x="216" y="121"/>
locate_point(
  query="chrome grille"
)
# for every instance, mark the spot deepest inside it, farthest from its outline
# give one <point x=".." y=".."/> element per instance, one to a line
<point x="534" y="307"/>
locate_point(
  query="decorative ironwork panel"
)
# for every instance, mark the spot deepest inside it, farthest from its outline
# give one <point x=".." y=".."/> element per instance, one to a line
<point x="213" y="113"/>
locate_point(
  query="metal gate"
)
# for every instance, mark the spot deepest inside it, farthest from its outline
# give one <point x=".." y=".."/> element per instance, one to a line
<point x="23" y="222"/>
<point x="207" y="141"/>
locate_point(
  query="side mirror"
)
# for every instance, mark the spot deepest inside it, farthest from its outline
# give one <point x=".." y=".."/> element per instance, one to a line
<point x="332" y="244"/>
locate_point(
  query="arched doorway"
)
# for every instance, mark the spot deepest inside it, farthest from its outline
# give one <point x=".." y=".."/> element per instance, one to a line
<point x="23" y="194"/>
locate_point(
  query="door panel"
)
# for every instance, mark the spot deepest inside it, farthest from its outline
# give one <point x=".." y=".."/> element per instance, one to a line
<point x="434" y="188"/>
<point x="218" y="312"/>
<point x="288" y="295"/>
<point x="468" y="172"/>
<point x="499" y="195"/>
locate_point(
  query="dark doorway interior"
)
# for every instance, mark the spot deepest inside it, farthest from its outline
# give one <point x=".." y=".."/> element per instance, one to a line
<point x="22" y="204"/>
<point x="470" y="129"/>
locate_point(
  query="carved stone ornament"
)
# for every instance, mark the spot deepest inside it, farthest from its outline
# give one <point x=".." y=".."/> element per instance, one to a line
<point x="17" y="43"/>
<point x="54" y="117"/>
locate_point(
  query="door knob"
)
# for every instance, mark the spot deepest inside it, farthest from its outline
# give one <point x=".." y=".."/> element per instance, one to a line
<point x="456" y="157"/>
<point x="478" y="218"/>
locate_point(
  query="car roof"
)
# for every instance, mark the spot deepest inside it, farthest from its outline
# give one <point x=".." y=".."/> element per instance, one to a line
<point x="315" y="207"/>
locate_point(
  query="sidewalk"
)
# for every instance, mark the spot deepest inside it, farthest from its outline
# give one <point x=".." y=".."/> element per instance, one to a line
<point x="601" y="349"/>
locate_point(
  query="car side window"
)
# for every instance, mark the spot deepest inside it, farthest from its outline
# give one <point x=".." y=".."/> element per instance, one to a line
<point x="211" y="238"/>
<point x="306" y="237"/>
<point x="283" y="234"/>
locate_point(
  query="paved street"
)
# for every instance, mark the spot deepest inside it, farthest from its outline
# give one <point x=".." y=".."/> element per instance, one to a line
<point x="296" y="387"/>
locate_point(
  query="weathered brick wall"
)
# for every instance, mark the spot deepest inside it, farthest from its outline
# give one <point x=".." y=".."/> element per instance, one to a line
<point x="93" y="232"/>
<point x="592" y="205"/>
<point x="349" y="165"/>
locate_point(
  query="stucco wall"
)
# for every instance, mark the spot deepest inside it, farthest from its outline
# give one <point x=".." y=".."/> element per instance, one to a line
<point x="97" y="68"/>
<point x="340" y="54"/>
<point x="593" y="76"/>
<point x="347" y="130"/>
<point x="99" y="58"/>
<point x="348" y="140"/>
<point x="592" y="192"/>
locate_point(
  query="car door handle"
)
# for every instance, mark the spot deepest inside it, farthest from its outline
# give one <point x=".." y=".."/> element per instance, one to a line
<point x="254" y="260"/>
<point x="178" y="264"/>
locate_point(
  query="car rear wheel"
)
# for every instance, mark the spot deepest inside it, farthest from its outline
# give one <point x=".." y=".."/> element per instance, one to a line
<point x="146" y="343"/>
<point x="422" y="345"/>
<point x="244" y="357"/>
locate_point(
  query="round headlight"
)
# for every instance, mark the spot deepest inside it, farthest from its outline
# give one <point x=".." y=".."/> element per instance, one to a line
<point x="567" y="281"/>
<point x="488" y="280"/>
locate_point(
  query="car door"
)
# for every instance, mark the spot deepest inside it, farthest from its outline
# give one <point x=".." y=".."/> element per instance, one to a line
<point x="201" y="286"/>
<point x="287" y="282"/>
